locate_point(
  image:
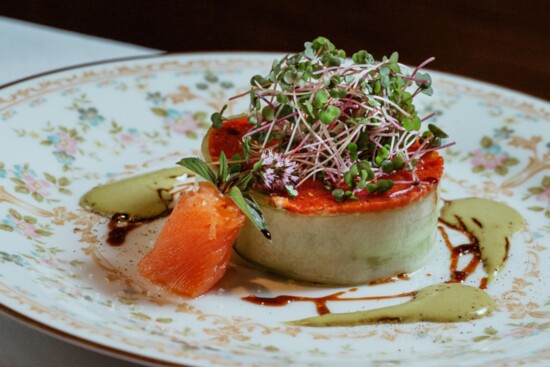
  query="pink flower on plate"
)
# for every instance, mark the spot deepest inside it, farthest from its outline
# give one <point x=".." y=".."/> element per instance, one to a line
<point x="544" y="195"/>
<point x="489" y="158"/>
<point x="524" y="331"/>
<point x="180" y="122"/>
<point x="22" y="226"/>
<point x="34" y="185"/>
<point x="64" y="142"/>
<point x="127" y="138"/>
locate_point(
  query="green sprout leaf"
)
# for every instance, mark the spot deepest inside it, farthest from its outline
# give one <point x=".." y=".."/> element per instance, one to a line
<point x="398" y="162"/>
<point x="259" y="80"/>
<point x="427" y="80"/>
<point x="362" y="57"/>
<point x="380" y="186"/>
<point x="387" y="166"/>
<point x="438" y="133"/>
<point x="268" y="113"/>
<point x="291" y="191"/>
<point x="352" y="149"/>
<point x="338" y="194"/>
<point x="321" y="97"/>
<point x="328" y="115"/>
<point x="217" y="119"/>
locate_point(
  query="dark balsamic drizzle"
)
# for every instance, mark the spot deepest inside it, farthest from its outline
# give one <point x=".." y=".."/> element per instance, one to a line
<point x="320" y="302"/>
<point x="119" y="226"/>
<point x="402" y="276"/>
<point x="476" y="221"/>
<point x="472" y="248"/>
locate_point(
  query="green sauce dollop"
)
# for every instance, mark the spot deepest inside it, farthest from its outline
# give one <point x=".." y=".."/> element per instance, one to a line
<point x="436" y="303"/>
<point x="490" y="222"/>
<point x="141" y="197"/>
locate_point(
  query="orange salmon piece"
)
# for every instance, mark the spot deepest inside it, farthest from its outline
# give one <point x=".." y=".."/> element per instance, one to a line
<point x="192" y="252"/>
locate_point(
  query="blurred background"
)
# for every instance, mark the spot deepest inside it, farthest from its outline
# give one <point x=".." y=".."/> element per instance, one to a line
<point x="503" y="42"/>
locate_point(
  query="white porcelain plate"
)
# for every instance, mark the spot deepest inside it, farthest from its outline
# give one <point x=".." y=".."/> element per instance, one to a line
<point x="65" y="132"/>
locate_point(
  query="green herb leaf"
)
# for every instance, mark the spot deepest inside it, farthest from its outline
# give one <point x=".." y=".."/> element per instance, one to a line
<point x="245" y="181"/>
<point x="223" y="169"/>
<point x="200" y="168"/>
<point x="246" y="149"/>
<point x="250" y="208"/>
<point x="234" y="165"/>
<point x="257" y="165"/>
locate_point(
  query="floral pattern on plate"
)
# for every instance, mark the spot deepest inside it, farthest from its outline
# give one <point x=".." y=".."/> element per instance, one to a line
<point x="69" y="131"/>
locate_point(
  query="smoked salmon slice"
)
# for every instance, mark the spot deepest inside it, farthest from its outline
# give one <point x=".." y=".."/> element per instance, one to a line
<point x="193" y="249"/>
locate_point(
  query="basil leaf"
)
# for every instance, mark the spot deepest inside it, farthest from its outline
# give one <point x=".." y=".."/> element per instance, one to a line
<point x="235" y="167"/>
<point x="223" y="170"/>
<point x="244" y="182"/>
<point x="200" y="168"/>
<point x="250" y="208"/>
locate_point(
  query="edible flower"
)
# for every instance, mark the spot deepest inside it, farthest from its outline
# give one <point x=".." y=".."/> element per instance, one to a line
<point x="276" y="172"/>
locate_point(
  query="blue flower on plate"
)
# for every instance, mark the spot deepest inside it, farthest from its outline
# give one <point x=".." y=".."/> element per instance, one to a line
<point x="64" y="158"/>
<point x="156" y="98"/>
<point x="23" y="172"/>
<point x="90" y="116"/>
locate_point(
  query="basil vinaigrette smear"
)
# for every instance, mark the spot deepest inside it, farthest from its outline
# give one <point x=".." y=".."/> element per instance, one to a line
<point x="317" y="115"/>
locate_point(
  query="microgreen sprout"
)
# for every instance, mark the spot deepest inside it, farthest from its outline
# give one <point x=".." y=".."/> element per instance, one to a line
<point x="350" y="123"/>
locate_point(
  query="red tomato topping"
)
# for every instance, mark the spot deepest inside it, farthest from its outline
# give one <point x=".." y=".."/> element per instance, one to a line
<point x="313" y="198"/>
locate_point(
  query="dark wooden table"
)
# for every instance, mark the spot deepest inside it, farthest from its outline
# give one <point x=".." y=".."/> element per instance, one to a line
<point x="502" y="42"/>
